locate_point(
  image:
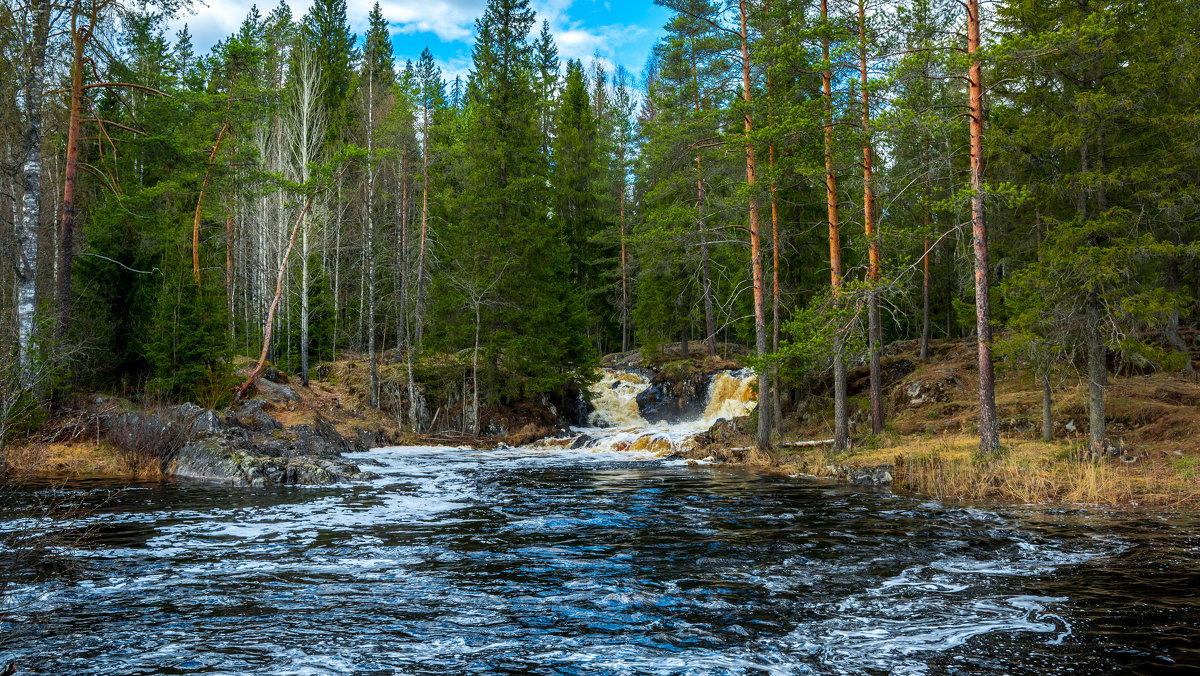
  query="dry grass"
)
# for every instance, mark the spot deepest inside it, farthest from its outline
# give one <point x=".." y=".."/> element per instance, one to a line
<point x="82" y="459"/>
<point x="1026" y="472"/>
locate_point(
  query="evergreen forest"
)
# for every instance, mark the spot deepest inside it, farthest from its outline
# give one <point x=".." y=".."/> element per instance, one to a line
<point x="810" y="180"/>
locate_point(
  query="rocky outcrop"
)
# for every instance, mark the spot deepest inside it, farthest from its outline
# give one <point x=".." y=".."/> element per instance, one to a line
<point x="674" y="401"/>
<point x="243" y="447"/>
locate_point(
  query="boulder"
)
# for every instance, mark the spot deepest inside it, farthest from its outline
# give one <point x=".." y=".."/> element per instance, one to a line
<point x="674" y="401"/>
<point x="245" y="447"/>
<point x="925" y="389"/>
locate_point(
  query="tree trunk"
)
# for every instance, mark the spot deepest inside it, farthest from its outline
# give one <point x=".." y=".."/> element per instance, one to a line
<point x="925" y="309"/>
<point x="710" y="324"/>
<point x="776" y="408"/>
<point x="1047" y="414"/>
<point x="1097" y="366"/>
<point x="370" y="246"/>
<point x="270" y="321"/>
<point x="229" y="288"/>
<point x="66" y="235"/>
<point x="760" y="324"/>
<point x="419" y="306"/>
<point x="989" y="433"/>
<point x="30" y="218"/>
<point x="926" y="264"/>
<point x="475" y="377"/>
<point x="874" y="331"/>
<point x="1171" y="332"/>
<point x="304" y="290"/>
<point x="841" y="418"/>
<point x="624" y="272"/>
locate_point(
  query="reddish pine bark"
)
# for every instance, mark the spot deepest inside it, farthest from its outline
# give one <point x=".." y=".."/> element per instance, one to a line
<point x="989" y="434"/>
<point x="841" y="426"/>
<point x="760" y="325"/>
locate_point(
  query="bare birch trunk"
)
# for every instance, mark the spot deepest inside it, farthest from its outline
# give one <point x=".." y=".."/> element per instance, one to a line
<point x="419" y="305"/>
<point x="370" y="247"/>
<point x="267" y="325"/>
<point x="30" y="218"/>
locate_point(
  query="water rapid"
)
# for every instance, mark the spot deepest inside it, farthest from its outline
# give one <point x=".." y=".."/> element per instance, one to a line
<point x="616" y="422"/>
<point x="522" y="561"/>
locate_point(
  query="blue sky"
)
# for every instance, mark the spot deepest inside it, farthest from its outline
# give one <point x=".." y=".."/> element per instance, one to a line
<point x="619" y="31"/>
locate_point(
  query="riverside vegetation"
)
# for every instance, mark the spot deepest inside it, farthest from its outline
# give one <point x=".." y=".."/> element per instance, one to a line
<point x="927" y="226"/>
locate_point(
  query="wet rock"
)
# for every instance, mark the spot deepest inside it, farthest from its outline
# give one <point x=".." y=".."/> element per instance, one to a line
<point x="245" y="447"/>
<point x="584" y="441"/>
<point x="674" y="401"/>
<point x="725" y="430"/>
<point x="368" y="439"/>
<point x="252" y="416"/>
<point x="878" y="475"/>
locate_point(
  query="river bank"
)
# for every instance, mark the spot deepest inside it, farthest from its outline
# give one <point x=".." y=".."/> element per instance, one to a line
<point x="929" y="445"/>
<point x="689" y="406"/>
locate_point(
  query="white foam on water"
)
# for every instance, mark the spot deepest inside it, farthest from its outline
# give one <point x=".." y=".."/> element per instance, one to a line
<point x="616" y="424"/>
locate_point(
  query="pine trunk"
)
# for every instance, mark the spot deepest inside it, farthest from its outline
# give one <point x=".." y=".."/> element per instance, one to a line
<point x="841" y="418"/>
<point x="989" y="433"/>
<point x="1097" y="366"/>
<point x="66" y="235"/>
<point x="710" y="323"/>
<point x="760" y="324"/>
<point x="1047" y="413"/>
<point x="874" y="331"/>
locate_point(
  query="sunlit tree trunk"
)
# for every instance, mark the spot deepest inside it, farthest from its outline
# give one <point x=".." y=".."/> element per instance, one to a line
<point x="926" y="276"/>
<point x="874" y="331"/>
<point x="270" y="320"/>
<point x="989" y="433"/>
<point x="66" y="236"/>
<point x="841" y="418"/>
<point x="760" y="324"/>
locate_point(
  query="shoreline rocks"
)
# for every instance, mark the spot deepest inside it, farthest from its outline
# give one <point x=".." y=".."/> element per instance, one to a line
<point x="243" y="447"/>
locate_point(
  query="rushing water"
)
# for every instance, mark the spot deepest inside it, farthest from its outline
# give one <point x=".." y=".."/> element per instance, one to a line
<point x="569" y="562"/>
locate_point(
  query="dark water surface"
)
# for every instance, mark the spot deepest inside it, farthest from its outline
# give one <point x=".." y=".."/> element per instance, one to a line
<point x="514" y="562"/>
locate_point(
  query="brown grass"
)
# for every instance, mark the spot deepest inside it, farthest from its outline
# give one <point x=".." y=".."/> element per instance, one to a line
<point x="1027" y="472"/>
<point x="82" y="459"/>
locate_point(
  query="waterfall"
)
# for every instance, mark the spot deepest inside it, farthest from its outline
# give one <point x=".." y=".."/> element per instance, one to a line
<point x="615" y="400"/>
<point x="730" y="395"/>
<point x="616" y="423"/>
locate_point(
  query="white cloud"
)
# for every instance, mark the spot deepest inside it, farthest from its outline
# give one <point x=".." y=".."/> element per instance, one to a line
<point x="452" y="21"/>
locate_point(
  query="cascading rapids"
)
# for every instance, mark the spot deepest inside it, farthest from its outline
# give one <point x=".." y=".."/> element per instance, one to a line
<point x="616" y="423"/>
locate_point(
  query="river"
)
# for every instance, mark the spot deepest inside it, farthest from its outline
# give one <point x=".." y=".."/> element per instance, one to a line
<point x="522" y="561"/>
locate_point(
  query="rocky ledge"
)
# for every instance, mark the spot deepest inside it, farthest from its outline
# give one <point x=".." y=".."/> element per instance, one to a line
<point x="244" y="446"/>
